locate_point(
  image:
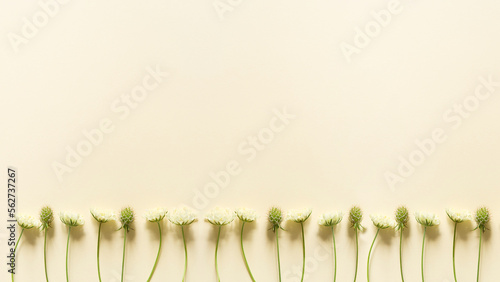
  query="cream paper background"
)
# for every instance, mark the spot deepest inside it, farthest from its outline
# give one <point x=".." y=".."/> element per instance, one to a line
<point x="354" y="117"/>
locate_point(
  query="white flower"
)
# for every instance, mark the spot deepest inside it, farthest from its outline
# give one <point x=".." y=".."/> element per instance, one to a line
<point x="299" y="216"/>
<point x="27" y="221"/>
<point x="331" y="218"/>
<point x="427" y="218"/>
<point x="155" y="215"/>
<point x="458" y="216"/>
<point x="71" y="218"/>
<point x="182" y="216"/>
<point x="220" y="216"/>
<point x="246" y="214"/>
<point x="102" y="216"/>
<point x="383" y="221"/>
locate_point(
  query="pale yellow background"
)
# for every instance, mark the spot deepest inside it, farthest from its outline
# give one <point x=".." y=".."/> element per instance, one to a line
<point x="227" y="76"/>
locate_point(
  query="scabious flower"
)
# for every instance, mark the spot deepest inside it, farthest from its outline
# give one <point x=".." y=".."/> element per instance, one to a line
<point x="220" y="216"/>
<point x="299" y="216"/>
<point x="482" y="217"/>
<point x="355" y="217"/>
<point x="27" y="221"/>
<point x="46" y="218"/>
<point x="155" y="215"/>
<point x="246" y="214"/>
<point x="275" y="217"/>
<point x="458" y="216"/>
<point x="426" y="219"/>
<point x="182" y="216"/>
<point x="381" y="222"/>
<point x="402" y="217"/>
<point x="330" y="218"/>
<point x="126" y="218"/>
<point x="102" y="216"/>
<point x="71" y="219"/>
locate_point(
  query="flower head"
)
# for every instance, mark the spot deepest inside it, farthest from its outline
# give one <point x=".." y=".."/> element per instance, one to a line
<point x="331" y="218"/>
<point x="182" y="216"/>
<point x="246" y="214"/>
<point x="458" y="216"/>
<point x="427" y="219"/>
<point x="71" y="218"/>
<point x="482" y="217"/>
<point x="27" y="221"/>
<point x="299" y="216"/>
<point x="355" y="217"/>
<point x="126" y="218"/>
<point x="102" y="216"/>
<point x="383" y="221"/>
<point x="155" y="215"/>
<point x="275" y="217"/>
<point x="46" y="217"/>
<point x="220" y="216"/>
<point x="402" y="217"/>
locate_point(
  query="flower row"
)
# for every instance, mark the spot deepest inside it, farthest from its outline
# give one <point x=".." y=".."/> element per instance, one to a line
<point x="223" y="216"/>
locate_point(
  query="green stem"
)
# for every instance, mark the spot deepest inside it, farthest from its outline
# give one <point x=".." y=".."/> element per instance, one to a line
<point x="356" y="270"/>
<point x="216" y="249"/>
<point x="67" y="251"/>
<point x="15" y="248"/>
<point x="123" y="258"/>
<point x="369" y="253"/>
<point x="243" y="252"/>
<point x="454" y="239"/>
<point x="401" y="254"/>
<point x="334" y="257"/>
<point x="98" y="247"/>
<point x="303" y="252"/>
<point x="278" y="250"/>
<point x="479" y="255"/>
<point x="422" y="258"/>
<point x="185" y="254"/>
<point x="157" y="256"/>
<point x="45" y="254"/>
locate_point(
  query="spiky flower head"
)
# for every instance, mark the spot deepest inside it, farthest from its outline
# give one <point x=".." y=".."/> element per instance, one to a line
<point x="27" y="221"/>
<point x="46" y="217"/>
<point x="275" y="217"/>
<point x="427" y="219"/>
<point x="155" y="215"/>
<point x="383" y="221"/>
<point x="71" y="219"/>
<point x="220" y="216"/>
<point x="355" y="217"/>
<point x="402" y="217"/>
<point x="331" y="218"/>
<point x="126" y="218"/>
<point x="102" y="216"/>
<point x="182" y="216"/>
<point x="299" y="216"/>
<point x="458" y="216"/>
<point x="246" y="214"/>
<point x="482" y="217"/>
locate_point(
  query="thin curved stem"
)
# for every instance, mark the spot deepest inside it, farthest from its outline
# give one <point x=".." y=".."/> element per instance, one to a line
<point x="45" y="254"/>
<point x="303" y="252"/>
<point x="185" y="254"/>
<point x="356" y="270"/>
<point x="479" y="255"/>
<point x="98" y="248"/>
<point x="454" y="240"/>
<point x="216" y="249"/>
<point x="369" y="253"/>
<point x="123" y="258"/>
<point x="243" y="252"/>
<point x="334" y="257"/>
<point x="278" y="250"/>
<point x="67" y="252"/>
<point x="157" y="256"/>
<point x="422" y="258"/>
<point x="15" y="248"/>
<point x="401" y="254"/>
